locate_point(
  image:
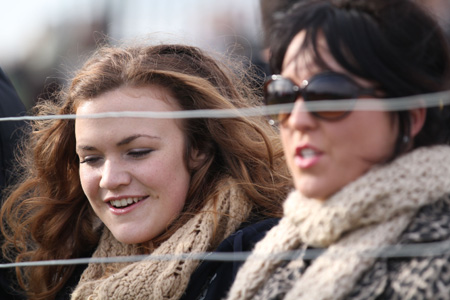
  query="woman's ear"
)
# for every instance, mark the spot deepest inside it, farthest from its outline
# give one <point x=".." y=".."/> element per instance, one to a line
<point x="417" y="116"/>
<point x="196" y="159"/>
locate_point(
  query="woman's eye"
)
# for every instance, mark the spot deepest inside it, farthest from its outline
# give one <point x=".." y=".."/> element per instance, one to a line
<point x="139" y="152"/>
<point x="89" y="160"/>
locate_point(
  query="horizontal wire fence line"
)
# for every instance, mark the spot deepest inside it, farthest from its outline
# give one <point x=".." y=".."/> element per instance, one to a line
<point x="388" y="104"/>
<point x="394" y="251"/>
<point x="394" y="104"/>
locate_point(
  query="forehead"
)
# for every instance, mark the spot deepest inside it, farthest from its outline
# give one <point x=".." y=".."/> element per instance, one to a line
<point x="127" y="99"/>
<point x="302" y="63"/>
<point x="298" y="57"/>
<point x="148" y="98"/>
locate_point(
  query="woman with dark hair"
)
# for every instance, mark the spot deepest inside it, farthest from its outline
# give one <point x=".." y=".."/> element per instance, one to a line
<point x="364" y="180"/>
<point x="155" y="186"/>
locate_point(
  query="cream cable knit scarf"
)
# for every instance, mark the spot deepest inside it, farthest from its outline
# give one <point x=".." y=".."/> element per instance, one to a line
<point x="164" y="279"/>
<point x="368" y="213"/>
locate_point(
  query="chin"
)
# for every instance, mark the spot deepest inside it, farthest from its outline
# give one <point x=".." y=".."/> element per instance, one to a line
<point x="316" y="187"/>
<point x="312" y="192"/>
<point x="126" y="238"/>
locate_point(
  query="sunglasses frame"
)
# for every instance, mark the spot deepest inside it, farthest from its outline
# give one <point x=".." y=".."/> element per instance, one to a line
<point x="297" y="91"/>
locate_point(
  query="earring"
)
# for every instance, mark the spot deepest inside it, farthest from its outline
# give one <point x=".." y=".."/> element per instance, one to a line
<point x="405" y="139"/>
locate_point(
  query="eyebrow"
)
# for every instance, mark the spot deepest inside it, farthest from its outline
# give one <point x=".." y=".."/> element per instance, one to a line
<point x="125" y="141"/>
<point x="133" y="137"/>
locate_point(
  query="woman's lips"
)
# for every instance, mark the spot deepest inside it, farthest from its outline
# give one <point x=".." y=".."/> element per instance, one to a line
<point x="125" y="201"/>
<point x="307" y="156"/>
<point x="125" y="204"/>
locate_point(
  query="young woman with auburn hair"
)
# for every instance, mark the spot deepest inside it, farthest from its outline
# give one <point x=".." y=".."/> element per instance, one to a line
<point x="123" y="186"/>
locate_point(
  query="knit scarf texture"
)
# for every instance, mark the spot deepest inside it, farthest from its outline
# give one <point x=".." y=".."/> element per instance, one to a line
<point x="366" y="215"/>
<point x="164" y="279"/>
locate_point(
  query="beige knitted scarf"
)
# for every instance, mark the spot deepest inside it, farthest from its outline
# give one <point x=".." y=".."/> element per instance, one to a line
<point x="367" y="214"/>
<point x="153" y="279"/>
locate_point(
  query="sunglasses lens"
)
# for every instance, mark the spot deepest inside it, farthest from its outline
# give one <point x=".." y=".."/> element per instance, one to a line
<point x="330" y="87"/>
<point x="279" y="91"/>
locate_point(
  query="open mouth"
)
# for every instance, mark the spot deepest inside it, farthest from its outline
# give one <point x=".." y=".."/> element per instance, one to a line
<point x="308" y="153"/>
<point x="307" y="156"/>
<point x="125" y="202"/>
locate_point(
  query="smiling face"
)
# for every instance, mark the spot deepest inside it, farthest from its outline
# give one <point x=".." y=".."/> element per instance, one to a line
<point x="324" y="156"/>
<point x="132" y="170"/>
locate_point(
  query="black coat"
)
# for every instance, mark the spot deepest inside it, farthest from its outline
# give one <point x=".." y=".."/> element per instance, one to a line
<point x="213" y="279"/>
<point x="10" y="106"/>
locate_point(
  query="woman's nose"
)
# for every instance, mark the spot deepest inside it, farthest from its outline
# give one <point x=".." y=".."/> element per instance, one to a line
<point x="114" y="174"/>
<point x="300" y="119"/>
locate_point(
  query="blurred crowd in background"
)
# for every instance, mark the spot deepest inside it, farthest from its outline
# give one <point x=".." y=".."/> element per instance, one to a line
<point x="43" y="41"/>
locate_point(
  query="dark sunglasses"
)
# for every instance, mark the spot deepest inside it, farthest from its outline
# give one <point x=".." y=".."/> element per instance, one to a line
<point x="323" y="86"/>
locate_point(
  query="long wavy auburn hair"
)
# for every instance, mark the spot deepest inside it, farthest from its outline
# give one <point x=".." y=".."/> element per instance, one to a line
<point x="47" y="216"/>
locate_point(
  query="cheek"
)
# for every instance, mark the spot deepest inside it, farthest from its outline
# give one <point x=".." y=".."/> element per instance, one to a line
<point x="373" y="138"/>
<point x="287" y="142"/>
<point x="284" y="134"/>
<point x="385" y="139"/>
<point x="88" y="181"/>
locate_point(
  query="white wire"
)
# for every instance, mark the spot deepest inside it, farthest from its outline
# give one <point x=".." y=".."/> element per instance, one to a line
<point x="393" y="104"/>
<point x="395" y="251"/>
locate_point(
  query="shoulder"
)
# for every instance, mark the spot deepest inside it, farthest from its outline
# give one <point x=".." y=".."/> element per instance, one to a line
<point x="11" y="105"/>
<point x="431" y="223"/>
<point x="245" y="238"/>
<point x="423" y="270"/>
<point x="72" y="282"/>
<point x="213" y="278"/>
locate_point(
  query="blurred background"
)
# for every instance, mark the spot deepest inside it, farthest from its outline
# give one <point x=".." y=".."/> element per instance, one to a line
<point x="44" y="41"/>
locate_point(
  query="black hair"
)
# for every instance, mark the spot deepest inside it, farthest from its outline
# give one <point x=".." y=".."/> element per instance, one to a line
<point x="271" y="12"/>
<point x="393" y="43"/>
